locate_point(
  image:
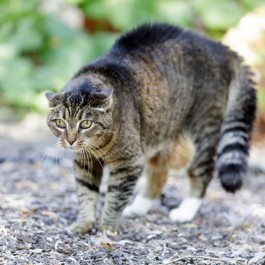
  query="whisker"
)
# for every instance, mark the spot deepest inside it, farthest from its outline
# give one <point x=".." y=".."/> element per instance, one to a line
<point x="99" y="150"/>
<point x="91" y="150"/>
<point x="84" y="158"/>
<point x="88" y="156"/>
<point x="81" y="157"/>
<point x="49" y="151"/>
<point x="61" y="151"/>
<point x="53" y="149"/>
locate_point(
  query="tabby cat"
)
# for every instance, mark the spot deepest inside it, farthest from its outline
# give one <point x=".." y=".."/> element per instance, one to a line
<point x="162" y="96"/>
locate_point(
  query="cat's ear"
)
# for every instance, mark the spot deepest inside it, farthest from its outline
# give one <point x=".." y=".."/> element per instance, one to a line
<point x="103" y="99"/>
<point x="54" y="99"/>
<point x="49" y="96"/>
<point x="107" y="102"/>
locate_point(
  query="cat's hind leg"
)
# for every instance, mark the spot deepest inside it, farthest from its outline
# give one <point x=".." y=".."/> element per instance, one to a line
<point x="177" y="156"/>
<point x="200" y="170"/>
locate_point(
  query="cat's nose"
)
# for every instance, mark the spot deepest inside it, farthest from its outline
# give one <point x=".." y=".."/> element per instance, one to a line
<point x="71" y="139"/>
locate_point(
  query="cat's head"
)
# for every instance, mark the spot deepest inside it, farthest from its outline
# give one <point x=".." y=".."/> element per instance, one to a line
<point x="81" y="114"/>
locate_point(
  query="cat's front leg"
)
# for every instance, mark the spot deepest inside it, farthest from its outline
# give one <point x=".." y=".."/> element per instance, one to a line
<point x="120" y="188"/>
<point x="88" y="174"/>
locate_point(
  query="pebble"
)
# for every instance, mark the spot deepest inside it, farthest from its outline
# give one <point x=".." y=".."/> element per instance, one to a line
<point x="259" y="259"/>
<point x="62" y="248"/>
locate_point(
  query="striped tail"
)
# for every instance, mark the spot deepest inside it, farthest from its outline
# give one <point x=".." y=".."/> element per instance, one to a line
<point x="232" y="150"/>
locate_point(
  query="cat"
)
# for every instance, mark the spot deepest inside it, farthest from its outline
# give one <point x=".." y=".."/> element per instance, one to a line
<point x="162" y="96"/>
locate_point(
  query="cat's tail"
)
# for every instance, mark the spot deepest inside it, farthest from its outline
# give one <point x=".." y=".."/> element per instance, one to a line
<point x="232" y="150"/>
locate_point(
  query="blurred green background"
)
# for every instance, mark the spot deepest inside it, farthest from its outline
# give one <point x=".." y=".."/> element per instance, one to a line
<point x="44" y="42"/>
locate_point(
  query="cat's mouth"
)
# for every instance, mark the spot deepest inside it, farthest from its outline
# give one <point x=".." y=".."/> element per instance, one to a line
<point x="74" y="148"/>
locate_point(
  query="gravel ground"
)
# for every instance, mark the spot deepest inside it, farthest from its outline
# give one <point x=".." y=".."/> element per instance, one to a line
<point x="38" y="202"/>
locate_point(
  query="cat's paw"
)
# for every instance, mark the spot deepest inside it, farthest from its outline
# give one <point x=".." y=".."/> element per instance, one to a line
<point x="140" y="206"/>
<point x="186" y="211"/>
<point x="108" y="229"/>
<point x="81" y="227"/>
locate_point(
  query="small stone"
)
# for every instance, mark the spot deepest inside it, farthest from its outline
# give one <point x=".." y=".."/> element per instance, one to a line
<point x="37" y="250"/>
<point x="21" y="246"/>
<point x="62" y="248"/>
<point x="107" y="245"/>
<point x="2" y="242"/>
<point x="26" y="238"/>
<point x="72" y="260"/>
<point x="259" y="259"/>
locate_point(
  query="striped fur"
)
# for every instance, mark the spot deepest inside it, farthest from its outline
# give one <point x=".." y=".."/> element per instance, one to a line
<point x="161" y="97"/>
<point x="233" y="147"/>
<point x="88" y="178"/>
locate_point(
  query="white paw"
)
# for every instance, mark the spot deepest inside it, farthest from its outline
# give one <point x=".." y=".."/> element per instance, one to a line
<point x="186" y="211"/>
<point x="81" y="227"/>
<point x="139" y="207"/>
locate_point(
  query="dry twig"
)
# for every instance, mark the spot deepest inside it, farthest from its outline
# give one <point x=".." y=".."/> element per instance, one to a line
<point x="226" y="260"/>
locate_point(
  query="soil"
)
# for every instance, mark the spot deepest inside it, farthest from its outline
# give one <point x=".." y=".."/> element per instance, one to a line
<point x="38" y="202"/>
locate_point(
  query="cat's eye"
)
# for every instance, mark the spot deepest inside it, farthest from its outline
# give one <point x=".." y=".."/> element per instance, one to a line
<point x="85" y="124"/>
<point x="60" y="123"/>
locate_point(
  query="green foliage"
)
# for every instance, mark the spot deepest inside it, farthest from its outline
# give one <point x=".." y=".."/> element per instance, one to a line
<point x="129" y="13"/>
<point x="39" y="52"/>
<point x="211" y="16"/>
